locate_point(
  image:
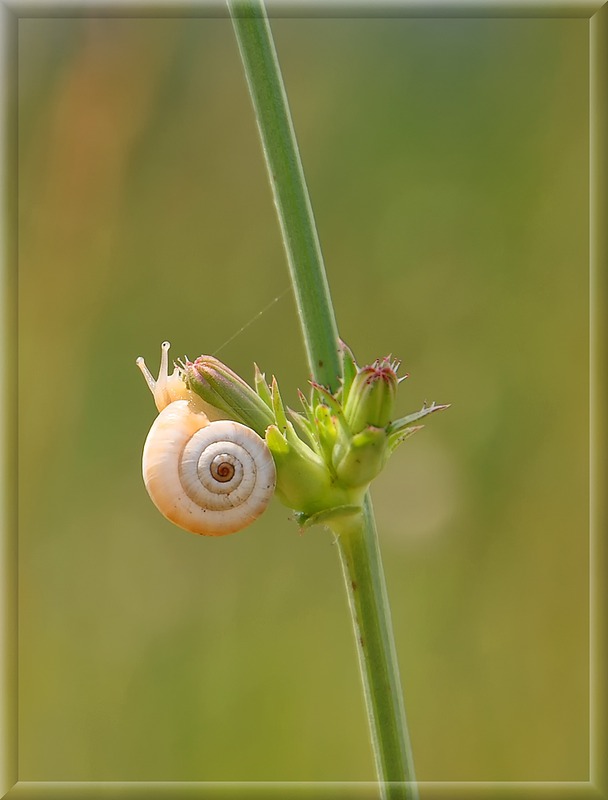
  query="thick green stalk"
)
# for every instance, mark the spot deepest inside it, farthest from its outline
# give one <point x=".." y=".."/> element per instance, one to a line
<point x="357" y="536"/>
<point x="289" y="188"/>
<point x="364" y="578"/>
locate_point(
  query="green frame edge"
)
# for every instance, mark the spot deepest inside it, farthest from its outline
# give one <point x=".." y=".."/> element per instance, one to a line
<point x="597" y="786"/>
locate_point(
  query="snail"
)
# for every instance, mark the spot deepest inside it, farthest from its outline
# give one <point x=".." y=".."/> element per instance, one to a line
<point x="211" y="477"/>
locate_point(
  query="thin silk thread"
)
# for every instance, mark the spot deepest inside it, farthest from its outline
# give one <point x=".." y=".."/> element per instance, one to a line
<point x="253" y="319"/>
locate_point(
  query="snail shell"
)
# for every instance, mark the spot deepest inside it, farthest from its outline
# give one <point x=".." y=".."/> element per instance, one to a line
<point x="208" y="477"/>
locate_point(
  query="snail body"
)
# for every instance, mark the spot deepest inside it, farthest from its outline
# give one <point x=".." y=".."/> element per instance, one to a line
<point x="211" y="477"/>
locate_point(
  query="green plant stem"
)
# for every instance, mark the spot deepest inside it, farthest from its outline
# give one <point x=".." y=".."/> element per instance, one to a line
<point x="357" y="542"/>
<point x="289" y="189"/>
<point x="356" y="535"/>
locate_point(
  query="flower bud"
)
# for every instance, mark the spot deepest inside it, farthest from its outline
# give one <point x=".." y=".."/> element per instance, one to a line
<point x="371" y="397"/>
<point x="218" y="385"/>
<point x="363" y="458"/>
<point x="326" y="429"/>
<point x="304" y="482"/>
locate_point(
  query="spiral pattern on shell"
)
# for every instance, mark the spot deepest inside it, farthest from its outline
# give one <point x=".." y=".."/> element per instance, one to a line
<point x="211" y="478"/>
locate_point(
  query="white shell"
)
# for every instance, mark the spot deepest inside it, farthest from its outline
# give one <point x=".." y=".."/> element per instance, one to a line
<point x="184" y="453"/>
<point x="211" y="478"/>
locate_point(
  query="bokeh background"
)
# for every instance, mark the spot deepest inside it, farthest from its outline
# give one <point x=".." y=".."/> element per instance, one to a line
<point x="447" y="163"/>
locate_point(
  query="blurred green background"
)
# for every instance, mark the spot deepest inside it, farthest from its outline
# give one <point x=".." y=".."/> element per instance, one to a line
<point x="447" y="162"/>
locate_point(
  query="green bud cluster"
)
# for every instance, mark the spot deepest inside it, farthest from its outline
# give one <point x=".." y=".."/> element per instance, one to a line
<point x="326" y="455"/>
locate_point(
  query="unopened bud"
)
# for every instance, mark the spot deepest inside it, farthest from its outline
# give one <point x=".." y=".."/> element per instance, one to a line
<point x="371" y="398"/>
<point x="363" y="458"/>
<point x="219" y="385"/>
